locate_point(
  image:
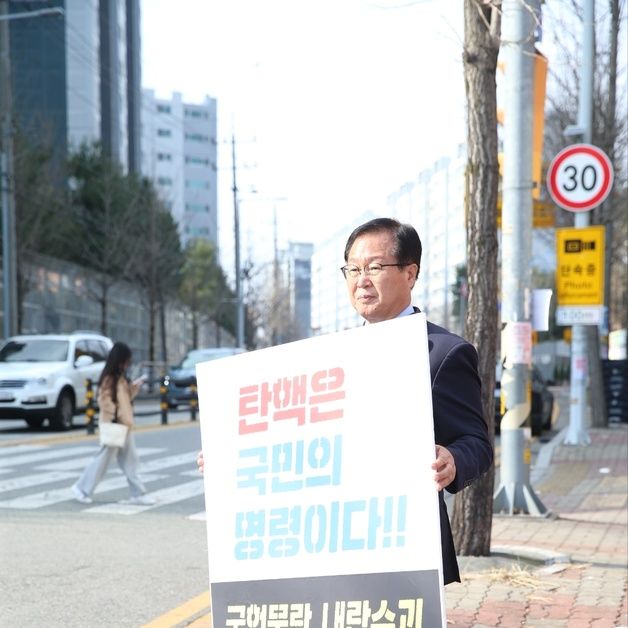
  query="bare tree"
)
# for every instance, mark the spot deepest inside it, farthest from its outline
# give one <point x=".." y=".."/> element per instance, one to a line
<point x="106" y="206"/>
<point x="473" y="507"/>
<point x="610" y="128"/>
<point x="268" y="296"/>
<point x="41" y="217"/>
<point x="158" y="267"/>
<point x="202" y="284"/>
<point x="609" y="132"/>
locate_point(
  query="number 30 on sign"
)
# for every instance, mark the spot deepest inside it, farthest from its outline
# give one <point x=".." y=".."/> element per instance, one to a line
<point x="580" y="177"/>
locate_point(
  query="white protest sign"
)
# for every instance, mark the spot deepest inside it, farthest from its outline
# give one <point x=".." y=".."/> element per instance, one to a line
<point x="318" y="482"/>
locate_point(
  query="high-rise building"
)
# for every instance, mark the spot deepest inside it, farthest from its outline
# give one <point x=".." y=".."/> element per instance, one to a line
<point x="179" y="153"/>
<point x="76" y="77"/>
<point x="300" y="287"/>
<point x="434" y="204"/>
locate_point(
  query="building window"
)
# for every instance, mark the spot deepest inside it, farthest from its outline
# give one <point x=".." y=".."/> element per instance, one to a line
<point x="197" y="208"/>
<point x="197" y="231"/>
<point x="164" y="132"/>
<point x="163" y="108"/>
<point x="196" y="184"/>
<point x="196" y="113"/>
<point x="164" y="157"/>
<point x="197" y="161"/>
<point x="196" y="137"/>
<point x="164" y="180"/>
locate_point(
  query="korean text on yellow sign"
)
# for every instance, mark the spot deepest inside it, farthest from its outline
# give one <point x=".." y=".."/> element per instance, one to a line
<point x="580" y="266"/>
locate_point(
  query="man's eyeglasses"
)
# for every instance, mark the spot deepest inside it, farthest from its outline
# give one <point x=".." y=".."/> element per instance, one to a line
<point x="370" y="270"/>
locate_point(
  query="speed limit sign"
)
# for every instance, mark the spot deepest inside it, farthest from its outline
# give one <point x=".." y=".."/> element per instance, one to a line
<point x="580" y="177"/>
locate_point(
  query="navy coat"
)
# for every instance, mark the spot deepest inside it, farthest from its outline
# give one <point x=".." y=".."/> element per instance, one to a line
<point x="458" y="422"/>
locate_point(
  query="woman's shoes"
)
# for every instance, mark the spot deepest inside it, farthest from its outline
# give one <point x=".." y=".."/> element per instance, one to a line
<point x="80" y="496"/>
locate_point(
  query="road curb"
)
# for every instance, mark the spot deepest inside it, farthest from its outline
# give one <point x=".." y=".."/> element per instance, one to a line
<point x="530" y="554"/>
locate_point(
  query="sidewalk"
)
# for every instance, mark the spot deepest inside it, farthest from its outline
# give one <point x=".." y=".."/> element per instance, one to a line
<point x="569" y="569"/>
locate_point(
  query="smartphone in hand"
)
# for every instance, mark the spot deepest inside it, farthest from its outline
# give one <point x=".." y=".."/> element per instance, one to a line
<point x="140" y="380"/>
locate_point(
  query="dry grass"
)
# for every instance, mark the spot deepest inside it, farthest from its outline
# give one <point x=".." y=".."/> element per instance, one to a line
<point x="515" y="576"/>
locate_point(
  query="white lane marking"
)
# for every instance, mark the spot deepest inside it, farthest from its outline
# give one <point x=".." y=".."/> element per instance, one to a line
<point x="169" y="461"/>
<point x="47" y="498"/>
<point x="195" y="473"/>
<point x="50" y="454"/>
<point x="163" y="497"/>
<point x="20" y="449"/>
<point x="199" y="516"/>
<point x="78" y="463"/>
<point x="35" y="479"/>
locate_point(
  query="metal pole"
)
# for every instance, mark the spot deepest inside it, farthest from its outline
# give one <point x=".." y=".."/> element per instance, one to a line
<point x="576" y="432"/>
<point x="238" y="272"/>
<point x="514" y="494"/>
<point x="9" y="260"/>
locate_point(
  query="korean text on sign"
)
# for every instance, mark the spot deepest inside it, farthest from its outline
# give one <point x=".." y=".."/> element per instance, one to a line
<point x="300" y="398"/>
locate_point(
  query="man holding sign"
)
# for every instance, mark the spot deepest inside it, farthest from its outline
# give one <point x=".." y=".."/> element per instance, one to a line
<point x="383" y="258"/>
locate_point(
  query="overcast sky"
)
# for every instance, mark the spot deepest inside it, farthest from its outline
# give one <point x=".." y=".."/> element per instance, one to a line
<point x="334" y="103"/>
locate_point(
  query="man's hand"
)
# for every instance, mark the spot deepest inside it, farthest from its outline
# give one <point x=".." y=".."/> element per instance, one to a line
<point x="200" y="461"/>
<point x="445" y="467"/>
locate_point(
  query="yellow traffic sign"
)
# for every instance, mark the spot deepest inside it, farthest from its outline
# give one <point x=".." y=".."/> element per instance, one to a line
<point x="580" y="266"/>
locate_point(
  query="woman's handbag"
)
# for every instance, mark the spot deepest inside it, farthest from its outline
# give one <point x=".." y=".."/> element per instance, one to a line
<point x="113" y="434"/>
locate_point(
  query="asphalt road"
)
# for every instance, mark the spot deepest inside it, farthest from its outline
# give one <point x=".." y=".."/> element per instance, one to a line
<point x="65" y="564"/>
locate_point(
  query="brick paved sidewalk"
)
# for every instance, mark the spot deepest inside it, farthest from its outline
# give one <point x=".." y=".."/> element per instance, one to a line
<point x="584" y="541"/>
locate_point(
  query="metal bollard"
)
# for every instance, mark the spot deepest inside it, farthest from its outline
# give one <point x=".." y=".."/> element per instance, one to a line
<point x="193" y="401"/>
<point x="163" y="400"/>
<point x="90" y="406"/>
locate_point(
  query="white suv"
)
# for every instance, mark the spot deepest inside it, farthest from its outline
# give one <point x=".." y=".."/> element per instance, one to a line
<point x="44" y="376"/>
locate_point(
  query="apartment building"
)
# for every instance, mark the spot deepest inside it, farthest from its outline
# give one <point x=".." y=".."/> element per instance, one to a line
<point x="179" y="154"/>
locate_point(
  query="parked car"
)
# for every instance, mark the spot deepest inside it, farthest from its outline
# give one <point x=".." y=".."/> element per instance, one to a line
<point x="183" y="375"/>
<point x="542" y="402"/>
<point x="42" y="376"/>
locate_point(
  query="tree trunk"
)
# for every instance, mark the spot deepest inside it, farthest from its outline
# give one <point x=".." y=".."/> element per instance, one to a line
<point x="195" y="324"/>
<point x="104" y="290"/>
<point x="473" y="507"/>
<point x="162" y="321"/>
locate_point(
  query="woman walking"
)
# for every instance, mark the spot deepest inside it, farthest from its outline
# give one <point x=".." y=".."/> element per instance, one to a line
<point x="115" y="400"/>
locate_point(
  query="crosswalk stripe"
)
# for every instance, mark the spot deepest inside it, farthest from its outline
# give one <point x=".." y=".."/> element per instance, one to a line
<point x="78" y="463"/>
<point x="20" y="449"/>
<point x="37" y="456"/>
<point x="35" y="479"/>
<point x="63" y="465"/>
<point x="199" y="516"/>
<point x="192" y="472"/>
<point x="158" y="464"/>
<point x="163" y="497"/>
<point x="55" y="496"/>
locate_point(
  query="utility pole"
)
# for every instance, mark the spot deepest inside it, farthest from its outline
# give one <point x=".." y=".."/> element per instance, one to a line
<point x="576" y="432"/>
<point x="515" y="494"/>
<point x="238" y="270"/>
<point x="9" y="259"/>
